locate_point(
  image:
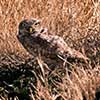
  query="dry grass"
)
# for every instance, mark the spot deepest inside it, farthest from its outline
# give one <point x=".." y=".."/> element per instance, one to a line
<point x="77" y="21"/>
<point x="70" y="19"/>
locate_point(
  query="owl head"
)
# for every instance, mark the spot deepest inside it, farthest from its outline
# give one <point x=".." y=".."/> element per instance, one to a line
<point x="30" y="26"/>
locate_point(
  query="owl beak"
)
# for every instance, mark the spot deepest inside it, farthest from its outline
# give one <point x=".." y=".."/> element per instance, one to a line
<point x="36" y="22"/>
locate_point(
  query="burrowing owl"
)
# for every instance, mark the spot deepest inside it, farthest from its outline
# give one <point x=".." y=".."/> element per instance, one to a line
<point x="32" y="36"/>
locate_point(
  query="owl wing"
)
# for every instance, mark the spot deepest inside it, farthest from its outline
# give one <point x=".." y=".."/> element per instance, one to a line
<point x="58" y="44"/>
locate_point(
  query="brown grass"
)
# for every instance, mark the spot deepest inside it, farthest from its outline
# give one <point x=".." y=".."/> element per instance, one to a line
<point x="77" y="21"/>
<point x="69" y="19"/>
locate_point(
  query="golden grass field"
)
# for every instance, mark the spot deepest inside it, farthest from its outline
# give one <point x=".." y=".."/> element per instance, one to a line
<point x="77" y="21"/>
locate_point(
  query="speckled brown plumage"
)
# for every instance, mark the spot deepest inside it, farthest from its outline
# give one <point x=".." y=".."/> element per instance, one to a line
<point x="32" y="36"/>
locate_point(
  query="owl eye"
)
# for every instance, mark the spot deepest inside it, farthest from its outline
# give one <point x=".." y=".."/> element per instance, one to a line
<point x="37" y="23"/>
<point x="24" y="25"/>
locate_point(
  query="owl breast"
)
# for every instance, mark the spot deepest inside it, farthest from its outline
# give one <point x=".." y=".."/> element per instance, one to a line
<point x="36" y="45"/>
